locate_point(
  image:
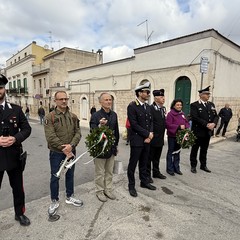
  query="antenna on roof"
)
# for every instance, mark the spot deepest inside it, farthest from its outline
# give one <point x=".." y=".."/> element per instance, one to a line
<point x="147" y="36"/>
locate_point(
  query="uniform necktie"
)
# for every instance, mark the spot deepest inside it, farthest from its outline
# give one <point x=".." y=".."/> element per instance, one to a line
<point x="1" y="108"/>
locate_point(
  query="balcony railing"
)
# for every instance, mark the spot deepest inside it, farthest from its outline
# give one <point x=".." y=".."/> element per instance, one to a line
<point x="16" y="91"/>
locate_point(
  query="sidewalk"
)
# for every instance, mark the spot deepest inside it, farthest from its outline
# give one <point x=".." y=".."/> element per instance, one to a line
<point x="192" y="206"/>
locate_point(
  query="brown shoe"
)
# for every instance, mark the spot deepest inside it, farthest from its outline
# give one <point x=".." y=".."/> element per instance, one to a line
<point x="101" y="197"/>
<point x="109" y="194"/>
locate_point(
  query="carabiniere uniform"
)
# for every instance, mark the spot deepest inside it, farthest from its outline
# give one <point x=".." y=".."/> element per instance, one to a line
<point x="14" y="123"/>
<point x="202" y="115"/>
<point x="141" y="125"/>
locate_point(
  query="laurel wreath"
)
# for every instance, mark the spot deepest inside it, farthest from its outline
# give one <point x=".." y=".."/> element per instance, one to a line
<point x="185" y="138"/>
<point x="92" y="140"/>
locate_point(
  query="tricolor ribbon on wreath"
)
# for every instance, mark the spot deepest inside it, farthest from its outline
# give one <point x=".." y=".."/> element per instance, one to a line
<point x="185" y="138"/>
<point x="101" y="137"/>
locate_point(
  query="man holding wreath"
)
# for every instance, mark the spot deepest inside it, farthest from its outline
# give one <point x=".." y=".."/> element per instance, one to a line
<point x="104" y="163"/>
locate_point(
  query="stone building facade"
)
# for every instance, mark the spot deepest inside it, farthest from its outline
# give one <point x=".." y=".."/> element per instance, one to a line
<point x="173" y="65"/>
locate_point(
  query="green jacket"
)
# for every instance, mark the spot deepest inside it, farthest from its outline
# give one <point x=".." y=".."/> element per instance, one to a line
<point x="61" y="128"/>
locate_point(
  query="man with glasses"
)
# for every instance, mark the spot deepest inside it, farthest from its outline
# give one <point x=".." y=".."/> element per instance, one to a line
<point x="140" y="118"/>
<point x="63" y="134"/>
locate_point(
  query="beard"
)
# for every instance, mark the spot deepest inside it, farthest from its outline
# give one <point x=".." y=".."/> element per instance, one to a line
<point x="2" y="96"/>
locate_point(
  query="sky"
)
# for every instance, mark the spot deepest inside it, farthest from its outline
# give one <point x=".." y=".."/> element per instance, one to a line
<point x="116" y="27"/>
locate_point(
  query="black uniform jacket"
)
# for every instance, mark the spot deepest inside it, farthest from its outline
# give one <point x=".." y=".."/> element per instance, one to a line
<point x="112" y="123"/>
<point x="14" y="119"/>
<point x="141" y="123"/>
<point x="201" y="116"/>
<point x="158" y="125"/>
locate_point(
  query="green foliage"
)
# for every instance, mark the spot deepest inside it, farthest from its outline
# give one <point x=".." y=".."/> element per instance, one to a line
<point x="188" y="140"/>
<point x="93" y="138"/>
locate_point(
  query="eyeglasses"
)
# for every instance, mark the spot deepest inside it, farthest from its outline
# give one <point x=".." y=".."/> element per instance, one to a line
<point x="62" y="99"/>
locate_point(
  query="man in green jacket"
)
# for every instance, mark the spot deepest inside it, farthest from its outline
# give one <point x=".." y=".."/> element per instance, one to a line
<point x="63" y="134"/>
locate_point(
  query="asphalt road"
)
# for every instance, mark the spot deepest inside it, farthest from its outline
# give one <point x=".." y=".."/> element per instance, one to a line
<point x="37" y="172"/>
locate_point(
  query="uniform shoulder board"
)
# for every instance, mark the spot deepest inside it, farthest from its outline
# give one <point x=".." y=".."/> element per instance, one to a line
<point x="133" y="103"/>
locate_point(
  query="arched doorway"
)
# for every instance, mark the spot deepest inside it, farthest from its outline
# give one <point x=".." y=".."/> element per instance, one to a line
<point x="183" y="91"/>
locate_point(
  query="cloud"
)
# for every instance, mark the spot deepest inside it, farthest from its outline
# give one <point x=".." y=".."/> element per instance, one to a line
<point x="110" y="25"/>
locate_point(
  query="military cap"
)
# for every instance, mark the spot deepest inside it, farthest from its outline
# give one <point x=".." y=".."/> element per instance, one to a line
<point x="158" y="92"/>
<point x="143" y="87"/>
<point x="205" y="90"/>
<point x="3" y="80"/>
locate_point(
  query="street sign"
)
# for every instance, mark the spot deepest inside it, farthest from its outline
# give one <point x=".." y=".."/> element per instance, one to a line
<point x="204" y="65"/>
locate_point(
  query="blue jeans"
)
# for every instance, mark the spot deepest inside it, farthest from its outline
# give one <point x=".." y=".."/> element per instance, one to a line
<point x="55" y="161"/>
<point x="173" y="160"/>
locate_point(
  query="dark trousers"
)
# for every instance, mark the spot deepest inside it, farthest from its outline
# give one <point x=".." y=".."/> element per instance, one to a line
<point x="224" y="125"/>
<point x="153" y="160"/>
<point x="202" y="143"/>
<point x="138" y="155"/>
<point x="55" y="161"/>
<point x="173" y="159"/>
<point x="16" y="182"/>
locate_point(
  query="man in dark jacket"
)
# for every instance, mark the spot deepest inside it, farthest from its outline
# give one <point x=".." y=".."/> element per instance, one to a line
<point x="204" y="120"/>
<point x="225" y="114"/>
<point x="140" y="118"/>
<point x="158" y="114"/>
<point x="14" y="129"/>
<point x="104" y="165"/>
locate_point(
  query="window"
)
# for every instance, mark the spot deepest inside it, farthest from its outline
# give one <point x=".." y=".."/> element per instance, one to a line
<point x="84" y="108"/>
<point x="10" y="85"/>
<point x="25" y="83"/>
<point x="44" y="82"/>
<point x="14" y="84"/>
<point x="19" y="83"/>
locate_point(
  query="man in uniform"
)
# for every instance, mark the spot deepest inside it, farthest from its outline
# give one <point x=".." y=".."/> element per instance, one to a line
<point x="204" y="120"/>
<point x="158" y="114"/>
<point x="140" y="118"/>
<point x="63" y="134"/>
<point x="104" y="164"/>
<point x="14" y="129"/>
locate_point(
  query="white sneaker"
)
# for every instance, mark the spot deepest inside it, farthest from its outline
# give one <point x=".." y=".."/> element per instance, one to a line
<point x="74" y="201"/>
<point x="53" y="207"/>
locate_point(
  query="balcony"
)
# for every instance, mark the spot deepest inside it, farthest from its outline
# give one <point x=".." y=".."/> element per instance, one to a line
<point x="17" y="91"/>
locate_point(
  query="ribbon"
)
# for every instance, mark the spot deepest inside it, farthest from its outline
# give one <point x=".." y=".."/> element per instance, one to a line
<point x="184" y="138"/>
<point x="101" y="137"/>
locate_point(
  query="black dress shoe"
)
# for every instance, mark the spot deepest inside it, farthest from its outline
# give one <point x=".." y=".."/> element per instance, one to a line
<point x="133" y="192"/>
<point x="23" y="220"/>
<point x="193" y="170"/>
<point x="148" y="186"/>
<point x="179" y="172"/>
<point x="171" y="173"/>
<point x="150" y="180"/>
<point x="205" y="169"/>
<point x="160" y="176"/>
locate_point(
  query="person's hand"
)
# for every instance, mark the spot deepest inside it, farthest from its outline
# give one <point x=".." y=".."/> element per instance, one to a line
<point x="7" y="141"/>
<point x="103" y="121"/>
<point x="210" y="126"/>
<point x="67" y="148"/>
<point x="147" y="140"/>
<point x="182" y="126"/>
<point x="150" y="135"/>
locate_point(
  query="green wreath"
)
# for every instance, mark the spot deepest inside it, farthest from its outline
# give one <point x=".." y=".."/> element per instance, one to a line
<point x="189" y="138"/>
<point x="94" y="137"/>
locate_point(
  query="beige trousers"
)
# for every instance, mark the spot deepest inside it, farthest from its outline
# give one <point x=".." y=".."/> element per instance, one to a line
<point x="104" y="173"/>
